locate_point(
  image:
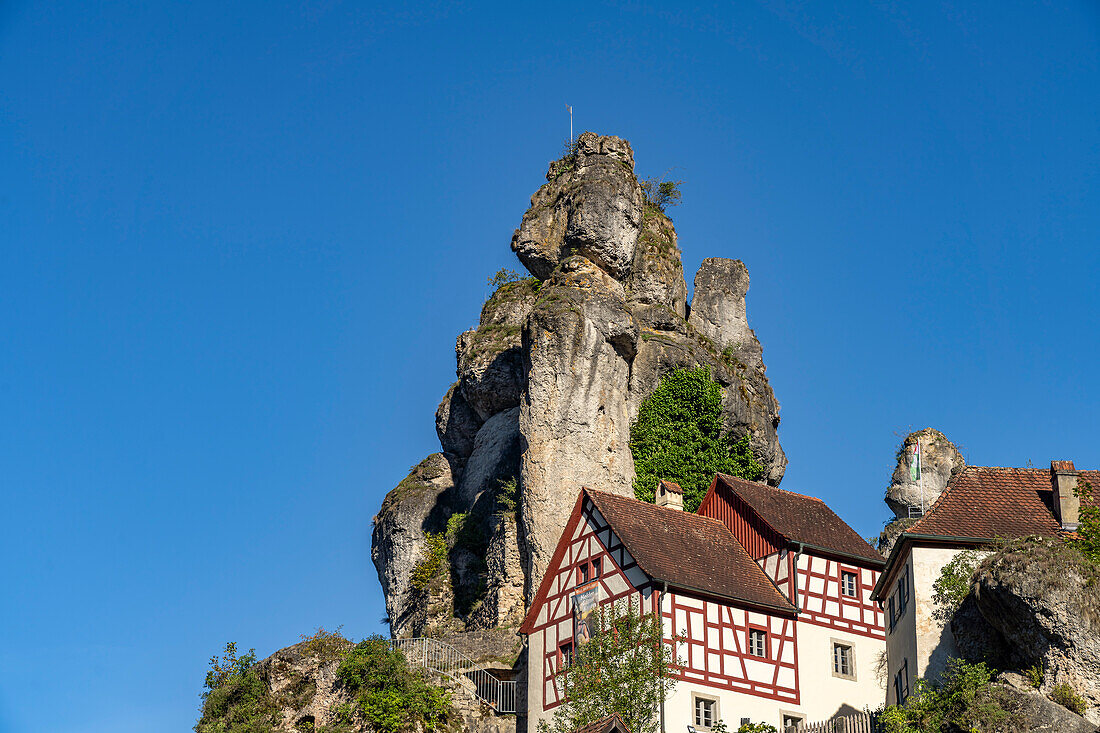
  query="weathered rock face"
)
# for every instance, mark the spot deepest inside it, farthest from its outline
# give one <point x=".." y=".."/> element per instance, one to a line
<point x="1036" y="604"/>
<point x="302" y="682"/>
<point x="939" y="460"/>
<point x="551" y="379"/>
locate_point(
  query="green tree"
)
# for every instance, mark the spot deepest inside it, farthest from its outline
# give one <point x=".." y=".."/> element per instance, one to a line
<point x="623" y="669"/>
<point x="678" y="436"/>
<point x="236" y="699"/>
<point x="966" y="699"/>
<point x="1088" y="532"/>
<point x="389" y="695"/>
<point x="661" y="194"/>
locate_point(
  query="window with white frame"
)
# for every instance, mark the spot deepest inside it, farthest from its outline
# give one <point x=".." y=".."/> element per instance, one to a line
<point x="758" y="642"/>
<point x="844" y="663"/>
<point x="791" y="721"/>
<point x="849" y="582"/>
<point x="706" y="711"/>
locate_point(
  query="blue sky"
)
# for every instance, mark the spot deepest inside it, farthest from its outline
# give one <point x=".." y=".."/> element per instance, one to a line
<point x="237" y="241"/>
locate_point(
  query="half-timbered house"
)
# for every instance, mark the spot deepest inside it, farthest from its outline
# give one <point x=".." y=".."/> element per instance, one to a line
<point x="764" y="595"/>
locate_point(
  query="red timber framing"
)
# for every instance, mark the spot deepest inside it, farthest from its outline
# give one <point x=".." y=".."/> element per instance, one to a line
<point x="587" y="537"/>
<point x="818" y="595"/>
<point x="713" y="643"/>
<point x="713" y="647"/>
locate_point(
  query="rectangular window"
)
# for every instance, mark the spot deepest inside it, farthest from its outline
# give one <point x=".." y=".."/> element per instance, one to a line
<point x="596" y="567"/>
<point x="843" y="663"/>
<point x="583" y="570"/>
<point x="901" y="683"/>
<point x="705" y="711"/>
<point x="903" y="591"/>
<point x="848" y="582"/>
<point x="792" y="721"/>
<point x="565" y="654"/>
<point x="758" y="642"/>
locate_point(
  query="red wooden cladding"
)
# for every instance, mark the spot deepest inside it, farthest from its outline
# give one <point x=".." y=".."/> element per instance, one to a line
<point x="755" y="536"/>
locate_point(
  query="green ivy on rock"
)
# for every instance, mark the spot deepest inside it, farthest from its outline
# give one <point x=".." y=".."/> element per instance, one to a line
<point x="678" y="437"/>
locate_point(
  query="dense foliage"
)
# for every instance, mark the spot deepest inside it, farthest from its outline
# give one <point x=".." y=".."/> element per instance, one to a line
<point x="1088" y="533"/>
<point x="388" y="694"/>
<point x="966" y="699"/>
<point x="950" y="589"/>
<point x="623" y="669"/>
<point x="679" y="437"/>
<point x="1064" y="694"/>
<point x="236" y="699"/>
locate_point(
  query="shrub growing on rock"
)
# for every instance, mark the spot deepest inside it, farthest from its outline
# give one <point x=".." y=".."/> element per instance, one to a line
<point x="1064" y="694"/>
<point x="236" y="699"/>
<point x="966" y="699"/>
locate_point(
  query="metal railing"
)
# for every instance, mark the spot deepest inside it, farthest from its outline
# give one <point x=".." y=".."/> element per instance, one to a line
<point x="443" y="659"/>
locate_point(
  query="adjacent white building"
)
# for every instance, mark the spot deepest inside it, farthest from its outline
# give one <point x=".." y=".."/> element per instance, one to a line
<point x="979" y="504"/>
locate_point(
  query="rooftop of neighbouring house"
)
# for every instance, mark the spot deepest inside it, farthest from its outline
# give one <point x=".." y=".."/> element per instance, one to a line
<point x="987" y="502"/>
<point x="687" y="550"/>
<point x="799" y="518"/>
<point x="610" y="724"/>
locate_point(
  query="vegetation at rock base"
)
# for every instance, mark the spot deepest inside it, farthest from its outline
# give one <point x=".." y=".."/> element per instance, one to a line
<point x="380" y="691"/>
<point x="966" y="699"/>
<point x="1064" y="694"/>
<point x="679" y="437"/>
<point x="661" y="194"/>
<point x="950" y="589"/>
<point x="623" y="669"/>
<point x="389" y="695"/>
<point x="236" y="699"/>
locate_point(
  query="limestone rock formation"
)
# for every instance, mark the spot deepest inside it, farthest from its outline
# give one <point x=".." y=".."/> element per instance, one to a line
<point x="548" y="385"/>
<point x="1036" y="604"/>
<point x="301" y="681"/>
<point x="939" y="460"/>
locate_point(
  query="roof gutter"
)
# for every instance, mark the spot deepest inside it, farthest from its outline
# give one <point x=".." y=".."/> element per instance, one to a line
<point x="755" y="604"/>
<point x="837" y="553"/>
<point x="906" y="538"/>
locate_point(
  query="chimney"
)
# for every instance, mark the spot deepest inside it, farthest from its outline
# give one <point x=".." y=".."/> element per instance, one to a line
<point x="671" y="496"/>
<point x="1064" y="477"/>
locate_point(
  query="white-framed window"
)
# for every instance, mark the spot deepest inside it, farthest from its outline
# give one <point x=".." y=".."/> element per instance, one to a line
<point x="901" y="683"/>
<point x="758" y="642"/>
<point x="706" y="711"/>
<point x="791" y="721"/>
<point x="844" y="660"/>
<point x="849" y="583"/>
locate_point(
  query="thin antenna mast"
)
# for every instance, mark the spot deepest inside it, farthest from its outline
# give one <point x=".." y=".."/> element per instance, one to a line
<point x="570" y="123"/>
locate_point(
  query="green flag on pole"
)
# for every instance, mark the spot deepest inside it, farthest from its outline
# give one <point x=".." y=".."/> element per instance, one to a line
<point x="914" y="461"/>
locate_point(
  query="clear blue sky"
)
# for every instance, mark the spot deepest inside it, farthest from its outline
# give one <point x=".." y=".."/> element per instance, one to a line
<point x="237" y="241"/>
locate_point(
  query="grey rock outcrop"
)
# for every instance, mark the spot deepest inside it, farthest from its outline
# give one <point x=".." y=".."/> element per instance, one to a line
<point x="1038" y="713"/>
<point x="939" y="460"/>
<point x="1036" y="604"/>
<point x="551" y="379"/>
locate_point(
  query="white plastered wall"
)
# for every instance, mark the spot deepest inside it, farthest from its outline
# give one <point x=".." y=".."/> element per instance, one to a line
<point x="823" y="694"/>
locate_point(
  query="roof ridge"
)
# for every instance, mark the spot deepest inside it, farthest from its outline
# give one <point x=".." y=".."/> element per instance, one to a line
<point x="659" y="508"/>
<point x="763" y="485"/>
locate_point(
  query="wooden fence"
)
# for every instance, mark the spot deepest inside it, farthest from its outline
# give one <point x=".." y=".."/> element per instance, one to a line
<point x="855" y="723"/>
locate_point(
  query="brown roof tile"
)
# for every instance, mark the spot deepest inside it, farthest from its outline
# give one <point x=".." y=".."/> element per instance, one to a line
<point x="688" y="550"/>
<point x="802" y="518"/>
<point x="988" y="502"/>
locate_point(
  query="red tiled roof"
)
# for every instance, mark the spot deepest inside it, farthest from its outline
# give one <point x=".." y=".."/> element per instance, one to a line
<point x="672" y="486"/>
<point x="688" y="550"/>
<point x="988" y="502"/>
<point x="604" y="725"/>
<point x="801" y="518"/>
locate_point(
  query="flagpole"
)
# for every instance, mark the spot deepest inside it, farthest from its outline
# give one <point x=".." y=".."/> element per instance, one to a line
<point x="920" y="475"/>
<point x="570" y="108"/>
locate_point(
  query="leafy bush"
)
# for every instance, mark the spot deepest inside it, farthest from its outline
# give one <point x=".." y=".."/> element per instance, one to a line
<point x="966" y="698"/>
<point x="757" y="728"/>
<point x="507" y="495"/>
<point x="1034" y="675"/>
<point x="953" y="584"/>
<point x="1063" y="694"/>
<point x="1088" y="532"/>
<point x="623" y="670"/>
<point x="661" y="194"/>
<point x="389" y="695"/>
<point x="235" y="700"/>
<point x="679" y="437"/>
